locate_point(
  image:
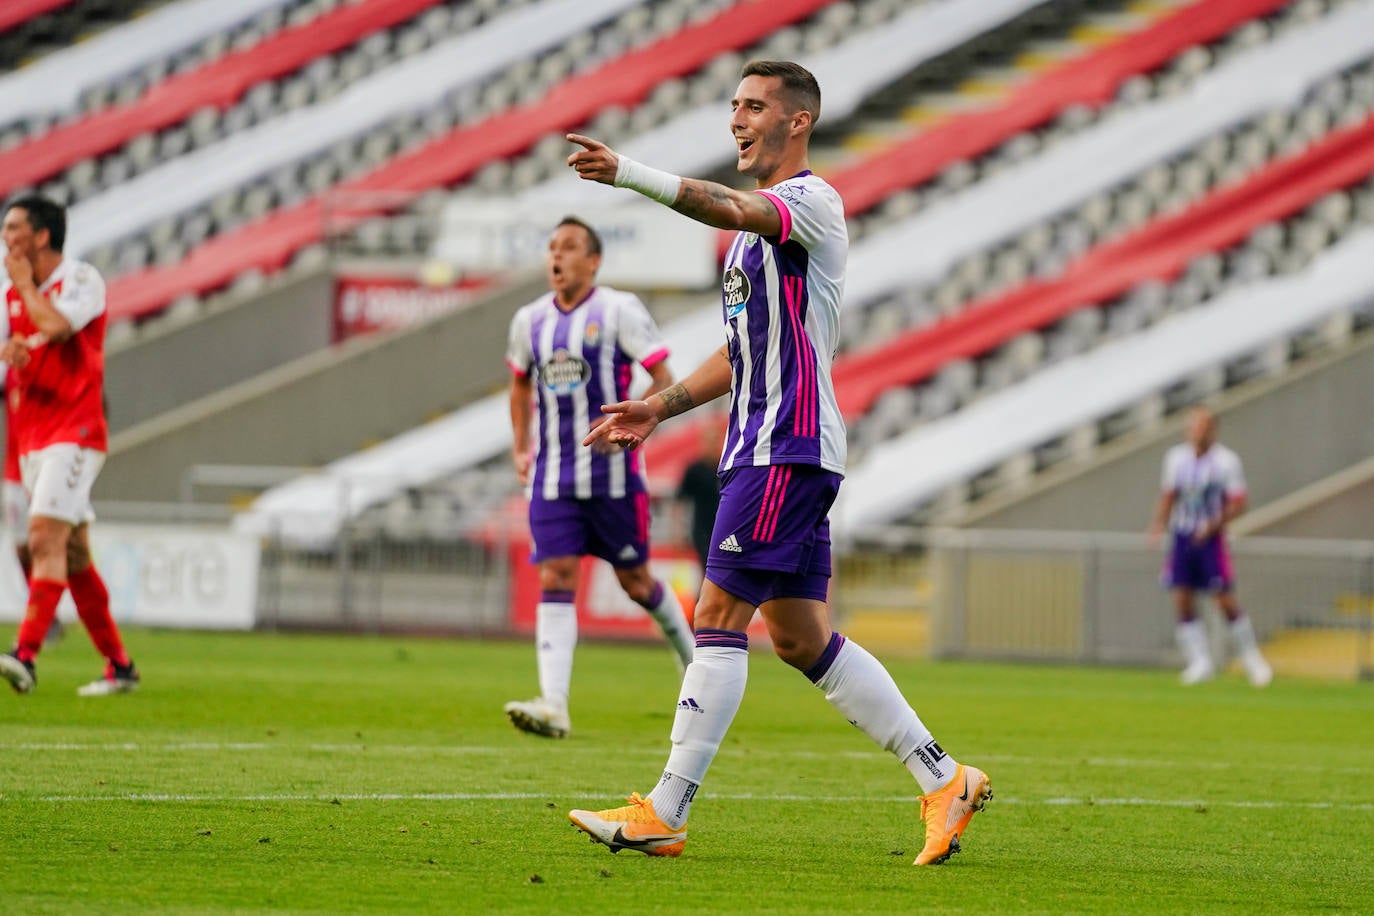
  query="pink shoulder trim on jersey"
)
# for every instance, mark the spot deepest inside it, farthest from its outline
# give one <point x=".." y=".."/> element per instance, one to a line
<point x="516" y="369"/>
<point x="783" y="213"/>
<point x="654" y="358"/>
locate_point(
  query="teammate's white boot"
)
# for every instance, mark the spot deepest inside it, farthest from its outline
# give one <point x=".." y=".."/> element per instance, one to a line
<point x="539" y="717"/>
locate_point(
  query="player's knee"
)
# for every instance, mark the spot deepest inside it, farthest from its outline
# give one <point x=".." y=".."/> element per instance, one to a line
<point x="799" y="653"/>
<point x="47" y="539"/>
<point x="637" y="583"/>
<point x="78" y="556"/>
<point x="559" y="575"/>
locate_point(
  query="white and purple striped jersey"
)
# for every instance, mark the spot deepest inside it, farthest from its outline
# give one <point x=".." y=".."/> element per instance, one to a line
<point x="579" y="360"/>
<point x="1201" y="484"/>
<point x="781" y="298"/>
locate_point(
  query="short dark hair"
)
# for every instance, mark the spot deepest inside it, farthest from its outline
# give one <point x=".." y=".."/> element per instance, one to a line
<point x="593" y="239"/>
<point x="798" y="83"/>
<point x="44" y="213"/>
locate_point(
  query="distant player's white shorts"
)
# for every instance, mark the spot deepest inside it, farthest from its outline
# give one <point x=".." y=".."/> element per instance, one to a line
<point x="59" y="480"/>
<point x="17" y="511"/>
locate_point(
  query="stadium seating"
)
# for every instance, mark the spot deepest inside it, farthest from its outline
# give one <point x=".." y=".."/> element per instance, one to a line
<point x="1052" y="192"/>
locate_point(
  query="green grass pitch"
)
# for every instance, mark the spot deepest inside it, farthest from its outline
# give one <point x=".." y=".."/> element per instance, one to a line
<point x="329" y="774"/>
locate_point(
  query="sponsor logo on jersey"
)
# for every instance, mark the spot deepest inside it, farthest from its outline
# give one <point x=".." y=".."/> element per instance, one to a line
<point x="792" y="193"/>
<point x="564" y="373"/>
<point x="735" y="289"/>
<point x="592" y="336"/>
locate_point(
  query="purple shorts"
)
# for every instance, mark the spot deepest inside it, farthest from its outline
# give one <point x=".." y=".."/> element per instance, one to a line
<point x="616" y="529"/>
<point x="1200" y="567"/>
<point x="772" y="537"/>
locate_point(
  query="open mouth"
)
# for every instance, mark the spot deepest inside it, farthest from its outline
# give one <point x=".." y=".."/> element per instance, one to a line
<point x="744" y="144"/>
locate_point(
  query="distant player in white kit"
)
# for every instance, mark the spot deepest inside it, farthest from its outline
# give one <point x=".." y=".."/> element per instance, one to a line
<point x="574" y="350"/>
<point x="781" y="467"/>
<point x="1202" y="490"/>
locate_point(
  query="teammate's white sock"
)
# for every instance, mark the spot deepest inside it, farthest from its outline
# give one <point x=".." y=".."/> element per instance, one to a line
<point x="1192" y="641"/>
<point x="1243" y="635"/>
<point x="1248" y="650"/>
<point x="711" y="693"/>
<point x="666" y="610"/>
<point x="860" y="687"/>
<point x="555" y="638"/>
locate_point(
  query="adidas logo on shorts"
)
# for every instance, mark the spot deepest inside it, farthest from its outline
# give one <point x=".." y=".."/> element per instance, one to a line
<point x="628" y="552"/>
<point x="731" y="545"/>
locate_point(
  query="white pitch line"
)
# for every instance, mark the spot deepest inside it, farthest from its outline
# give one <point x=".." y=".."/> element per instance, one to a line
<point x="1058" y="802"/>
<point x="449" y="750"/>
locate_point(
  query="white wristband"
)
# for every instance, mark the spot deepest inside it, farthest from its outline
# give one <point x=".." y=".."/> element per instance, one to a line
<point x="650" y="182"/>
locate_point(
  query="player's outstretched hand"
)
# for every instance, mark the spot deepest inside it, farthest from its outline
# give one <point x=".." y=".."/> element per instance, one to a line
<point x="595" y="161"/>
<point x="627" y="424"/>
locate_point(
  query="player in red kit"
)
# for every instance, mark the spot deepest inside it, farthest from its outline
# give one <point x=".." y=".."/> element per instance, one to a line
<point x="56" y="309"/>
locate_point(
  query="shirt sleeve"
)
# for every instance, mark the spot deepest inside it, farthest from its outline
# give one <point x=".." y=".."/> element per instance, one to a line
<point x="808" y="211"/>
<point x="1168" y="478"/>
<point x="1234" y="476"/>
<point x="82" y="297"/>
<point x="519" y="349"/>
<point x="640" y="337"/>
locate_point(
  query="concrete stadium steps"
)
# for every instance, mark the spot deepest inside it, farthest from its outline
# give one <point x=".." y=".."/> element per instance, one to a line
<point x="896" y="116"/>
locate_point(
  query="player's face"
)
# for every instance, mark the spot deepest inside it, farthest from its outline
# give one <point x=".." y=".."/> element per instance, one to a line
<point x="1202" y="430"/>
<point x="571" y="265"/>
<point x="18" y="234"/>
<point x="761" y="124"/>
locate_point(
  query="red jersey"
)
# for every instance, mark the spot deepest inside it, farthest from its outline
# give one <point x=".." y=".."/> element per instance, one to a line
<point x="59" y="395"/>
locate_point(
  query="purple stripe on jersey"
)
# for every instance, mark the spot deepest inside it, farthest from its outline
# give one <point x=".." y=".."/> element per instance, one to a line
<point x="822" y="664"/>
<point x="722" y="639"/>
<point x="568" y="444"/>
<point x="555" y="596"/>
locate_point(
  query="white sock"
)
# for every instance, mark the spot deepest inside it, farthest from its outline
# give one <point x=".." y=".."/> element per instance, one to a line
<point x="1192" y="640"/>
<point x="711" y="693"/>
<point x="859" y="686"/>
<point x="672" y="799"/>
<point x="555" y="638"/>
<point x="667" y="613"/>
<point x="1243" y="636"/>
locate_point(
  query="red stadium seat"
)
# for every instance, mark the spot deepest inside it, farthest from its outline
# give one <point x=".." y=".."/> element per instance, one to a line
<point x="16" y="12"/>
<point x="1091" y="79"/>
<point x="219" y="84"/>
<point x="1159" y="250"/>
<point x="269" y="243"/>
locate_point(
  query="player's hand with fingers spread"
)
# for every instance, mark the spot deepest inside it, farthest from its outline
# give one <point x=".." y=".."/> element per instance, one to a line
<point x="595" y="161"/>
<point x="627" y="424"/>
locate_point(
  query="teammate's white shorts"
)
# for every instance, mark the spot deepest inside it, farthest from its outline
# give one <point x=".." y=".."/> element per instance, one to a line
<point x="59" y="480"/>
<point x="16" y="500"/>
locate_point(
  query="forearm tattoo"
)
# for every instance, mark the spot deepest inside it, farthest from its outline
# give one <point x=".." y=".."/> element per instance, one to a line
<point x="677" y="400"/>
<point x="702" y="200"/>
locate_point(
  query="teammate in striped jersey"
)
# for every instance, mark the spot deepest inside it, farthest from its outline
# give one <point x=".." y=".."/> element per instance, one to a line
<point x="1201" y="491"/>
<point x="571" y="351"/>
<point x="781" y="468"/>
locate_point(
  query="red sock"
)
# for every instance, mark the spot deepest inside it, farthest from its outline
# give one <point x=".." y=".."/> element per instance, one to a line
<point x="43" y="597"/>
<point x="93" y="606"/>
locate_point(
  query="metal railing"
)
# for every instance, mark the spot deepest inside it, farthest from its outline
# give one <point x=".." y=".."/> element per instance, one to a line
<point x="1097" y="596"/>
